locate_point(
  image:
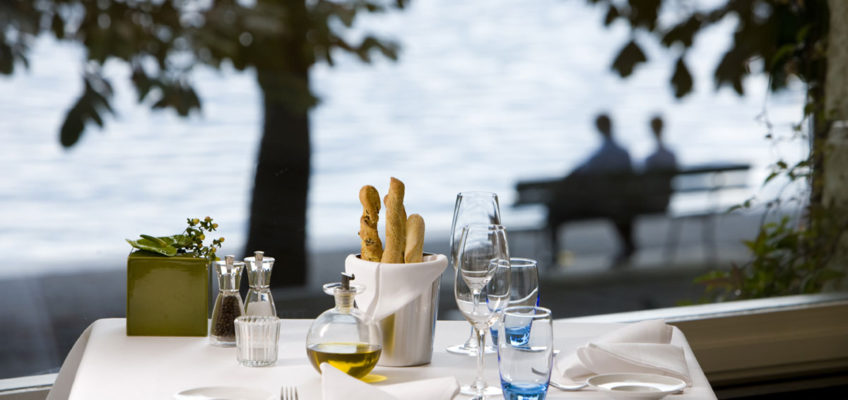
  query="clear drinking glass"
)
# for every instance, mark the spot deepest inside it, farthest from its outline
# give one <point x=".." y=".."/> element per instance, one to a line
<point x="471" y="208"/>
<point x="525" y="352"/>
<point x="481" y="288"/>
<point x="256" y="340"/>
<point x="523" y="286"/>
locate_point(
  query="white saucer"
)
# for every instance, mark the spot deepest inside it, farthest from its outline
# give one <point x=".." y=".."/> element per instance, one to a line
<point x="636" y="386"/>
<point x="223" y="393"/>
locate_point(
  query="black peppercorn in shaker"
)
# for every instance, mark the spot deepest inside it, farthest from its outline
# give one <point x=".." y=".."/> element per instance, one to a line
<point x="228" y="304"/>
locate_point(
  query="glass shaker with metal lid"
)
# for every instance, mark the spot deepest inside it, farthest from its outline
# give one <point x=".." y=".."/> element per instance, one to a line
<point x="259" y="300"/>
<point x="228" y="304"/>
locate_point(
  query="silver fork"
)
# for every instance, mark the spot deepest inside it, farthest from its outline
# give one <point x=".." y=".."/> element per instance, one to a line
<point x="288" y="393"/>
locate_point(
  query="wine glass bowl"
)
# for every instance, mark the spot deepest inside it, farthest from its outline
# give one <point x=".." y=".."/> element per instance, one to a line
<point x="482" y="288"/>
<point x="482" y="307"/>
<point x="471" y="207"/>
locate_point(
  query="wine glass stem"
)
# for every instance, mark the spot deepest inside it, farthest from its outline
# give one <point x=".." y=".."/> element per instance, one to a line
<point x="479" y="382"/>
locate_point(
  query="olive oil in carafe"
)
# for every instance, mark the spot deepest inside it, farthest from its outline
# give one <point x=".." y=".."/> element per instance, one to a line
<point x="342" y="336"/>
<point x="354" y="359"/>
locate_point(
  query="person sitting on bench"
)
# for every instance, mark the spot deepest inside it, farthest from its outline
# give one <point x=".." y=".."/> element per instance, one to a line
<point x="581" y="195"/>
<point x="661" y="165"/>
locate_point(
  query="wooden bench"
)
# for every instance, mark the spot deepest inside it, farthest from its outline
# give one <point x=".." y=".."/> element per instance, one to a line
<point x="633" y="194"/>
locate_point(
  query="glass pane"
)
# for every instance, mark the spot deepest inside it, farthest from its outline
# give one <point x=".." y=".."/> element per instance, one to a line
<point x="504" y="98"/>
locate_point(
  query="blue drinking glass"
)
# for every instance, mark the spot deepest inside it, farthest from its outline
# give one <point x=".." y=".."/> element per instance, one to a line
<point x="523" y="287"/>
<point x="525" y="352"/>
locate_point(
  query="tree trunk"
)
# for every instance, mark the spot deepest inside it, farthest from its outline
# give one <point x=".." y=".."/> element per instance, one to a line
<point x="278" y="208"/>
<point x="835" y="174"/>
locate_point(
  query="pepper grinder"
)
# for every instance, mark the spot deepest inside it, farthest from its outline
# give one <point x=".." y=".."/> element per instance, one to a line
<point x="228" y="304"/>
<point x="259" y="300"/>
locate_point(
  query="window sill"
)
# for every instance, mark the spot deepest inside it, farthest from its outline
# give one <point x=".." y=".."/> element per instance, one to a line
<point x="741" y="342"/>
<point x="738" y="344"/>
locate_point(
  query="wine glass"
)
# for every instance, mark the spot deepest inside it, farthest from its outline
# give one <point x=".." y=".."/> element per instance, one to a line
<point x="523" y="286"/>
<point x="481" y="288"/>
<point x="470" y="208"/>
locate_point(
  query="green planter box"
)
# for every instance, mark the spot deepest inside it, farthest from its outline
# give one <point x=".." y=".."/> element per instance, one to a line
<point x="167" y="296"/>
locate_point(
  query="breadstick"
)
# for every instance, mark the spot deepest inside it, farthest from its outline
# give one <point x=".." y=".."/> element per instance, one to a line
<point x="395" y="224"/>
<point x="414" y="239"/>
<point x="371" y="247"/>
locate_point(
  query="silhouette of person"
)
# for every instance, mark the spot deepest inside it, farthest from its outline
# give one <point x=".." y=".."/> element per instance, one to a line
<point x="610" y="157"/>
<point x="662" y="158"/>
<point x="660" y="166"/>
<point x="580" y="195"/>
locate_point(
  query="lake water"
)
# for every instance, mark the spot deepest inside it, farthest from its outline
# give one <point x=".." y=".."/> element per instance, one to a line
<point x="484" y="94"/>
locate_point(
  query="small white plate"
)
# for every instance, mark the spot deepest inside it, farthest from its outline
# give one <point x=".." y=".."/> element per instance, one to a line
<point x="636" y="386"/>
<point x="223" y="393"/>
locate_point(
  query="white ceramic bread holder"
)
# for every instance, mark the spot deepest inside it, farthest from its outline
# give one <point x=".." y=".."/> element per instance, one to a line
<point x="403" y="299"/>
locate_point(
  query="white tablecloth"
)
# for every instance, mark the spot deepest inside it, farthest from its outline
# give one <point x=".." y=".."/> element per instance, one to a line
<point x="107" y="364"/>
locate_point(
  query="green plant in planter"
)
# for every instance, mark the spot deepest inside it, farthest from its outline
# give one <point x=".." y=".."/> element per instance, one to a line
<point x="168" y="282"/>
<point x="188" y="242"/>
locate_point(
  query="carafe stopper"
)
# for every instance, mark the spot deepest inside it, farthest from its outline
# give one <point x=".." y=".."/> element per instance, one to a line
<point x="346" y="278"/>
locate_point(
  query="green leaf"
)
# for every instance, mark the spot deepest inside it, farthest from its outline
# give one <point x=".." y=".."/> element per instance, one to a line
<point x="7" y="59"/>
<point x="781" y="55"/>
<point x="153" y="246"/>
<point x="142" y="83"/>
<point x="711" y="276"/>
<point x="683" y="33"/>
<point x="771" y="176"/>
<point x="159" y="242"/>
<point x="644" y="13"/>
<point x="94" y="97"/>
<point x="612" y="14"/>
<point x="57" y="25"/>
<point x="802" y="33"/>
<point x="72" y="127"/>
<point x="681" y="81"/>
<point x="627" y="59"/>
<point x="179" y="240"/>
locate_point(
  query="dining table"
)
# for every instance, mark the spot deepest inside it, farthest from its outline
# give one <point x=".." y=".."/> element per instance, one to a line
<point x="105" y="363"/>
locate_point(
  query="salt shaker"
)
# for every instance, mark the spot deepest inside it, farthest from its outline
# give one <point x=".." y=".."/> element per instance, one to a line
<point x="259" y="300"/>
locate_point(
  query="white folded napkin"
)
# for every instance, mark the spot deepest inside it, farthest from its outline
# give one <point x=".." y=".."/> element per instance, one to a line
<point x="337" y="385"/>
<point x="388" y="287"/>
<point x="641" y="347"/>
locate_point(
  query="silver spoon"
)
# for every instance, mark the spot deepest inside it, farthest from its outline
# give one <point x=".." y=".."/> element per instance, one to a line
<point x="560" y="386"/>
<point x="569" y="388"/>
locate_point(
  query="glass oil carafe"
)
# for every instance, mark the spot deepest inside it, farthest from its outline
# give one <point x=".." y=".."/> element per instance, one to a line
<point x="342" y="336"/>
<point x="228" y="304"/>
<point x="259" y="300"/>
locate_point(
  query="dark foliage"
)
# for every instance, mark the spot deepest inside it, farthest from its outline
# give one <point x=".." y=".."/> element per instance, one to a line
<point x="163" y="41"/>
<point x="785" y="35"/>
<point x="786" y="39"/>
